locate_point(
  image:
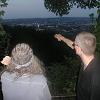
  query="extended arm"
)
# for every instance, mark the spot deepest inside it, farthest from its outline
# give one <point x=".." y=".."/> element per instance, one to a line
<point x="66" y="40"/>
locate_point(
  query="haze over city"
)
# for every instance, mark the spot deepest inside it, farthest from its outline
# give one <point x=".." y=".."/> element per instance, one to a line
<point x="36" y="9"/>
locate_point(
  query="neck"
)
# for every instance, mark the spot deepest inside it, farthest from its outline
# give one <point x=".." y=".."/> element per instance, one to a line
<point x="86" y="60"/>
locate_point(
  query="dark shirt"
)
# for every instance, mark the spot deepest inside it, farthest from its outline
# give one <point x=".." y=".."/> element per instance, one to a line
<point x="88" y="86"/>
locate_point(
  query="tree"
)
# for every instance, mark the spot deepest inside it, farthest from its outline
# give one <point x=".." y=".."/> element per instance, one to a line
<point x="92" y="17"/>
<point x="59" y="7"/>
<point x="3" y="35"/>
<point x="87" y="3"/>
<point x="3" y="3"/>
<point x="63" y="7"/>
<point x="98" y="19"/>
<point x="97" y="30"/>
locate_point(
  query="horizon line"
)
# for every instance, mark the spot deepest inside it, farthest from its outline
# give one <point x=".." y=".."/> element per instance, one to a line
<point x="43" y="17"/>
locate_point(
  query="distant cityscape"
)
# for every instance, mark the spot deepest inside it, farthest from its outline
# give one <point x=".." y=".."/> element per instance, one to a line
<point x="69" y="25"/>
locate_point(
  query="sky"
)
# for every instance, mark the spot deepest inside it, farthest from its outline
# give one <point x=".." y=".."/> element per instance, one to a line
<point x="36" y="9"/>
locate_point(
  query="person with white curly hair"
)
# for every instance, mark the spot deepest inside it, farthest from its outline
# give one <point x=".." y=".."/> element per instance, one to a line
<point x="24" y="76"/>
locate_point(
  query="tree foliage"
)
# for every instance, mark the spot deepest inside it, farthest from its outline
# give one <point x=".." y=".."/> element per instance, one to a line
<point x="3" y="35"/>
<point x="91" y="17"/>
<point x="62" y="7"/>
<point x="87" y="3"/>
<point x="97" y="30"/>
<point x="59" y="7"/>
<point x="3" y="3"/>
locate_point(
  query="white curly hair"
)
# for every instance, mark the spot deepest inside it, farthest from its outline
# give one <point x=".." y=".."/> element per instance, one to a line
<point x="24" y="61"/>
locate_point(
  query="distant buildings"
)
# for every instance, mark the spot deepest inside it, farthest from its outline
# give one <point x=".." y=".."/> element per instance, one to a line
<point x="65" y="25"/>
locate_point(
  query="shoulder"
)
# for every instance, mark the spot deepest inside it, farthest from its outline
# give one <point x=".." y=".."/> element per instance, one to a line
<point x="97" y="64"/>
<point x="39" y="79"/>
<point x="7" y="75"/>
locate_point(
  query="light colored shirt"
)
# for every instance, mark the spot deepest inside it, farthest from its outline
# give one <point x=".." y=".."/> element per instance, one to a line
<point x="26" y="87"/>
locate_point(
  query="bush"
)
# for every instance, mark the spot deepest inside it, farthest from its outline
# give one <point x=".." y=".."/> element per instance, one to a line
<point x="63" y="76"/>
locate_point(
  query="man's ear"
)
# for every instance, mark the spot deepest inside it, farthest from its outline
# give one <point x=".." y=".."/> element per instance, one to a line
<point x="78" y="50"/>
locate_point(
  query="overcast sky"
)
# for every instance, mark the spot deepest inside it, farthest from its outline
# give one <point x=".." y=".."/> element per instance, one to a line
<point x="36" y="9"/>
